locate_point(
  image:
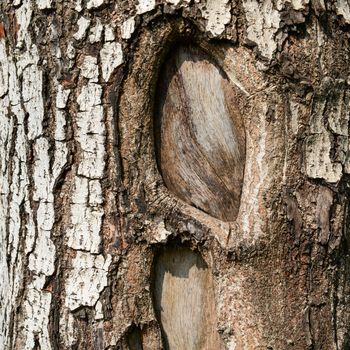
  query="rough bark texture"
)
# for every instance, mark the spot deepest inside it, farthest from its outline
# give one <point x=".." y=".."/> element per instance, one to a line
<point x="95" y="250"/>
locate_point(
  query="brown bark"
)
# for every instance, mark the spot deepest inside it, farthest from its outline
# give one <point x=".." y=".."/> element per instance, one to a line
<point x="103" y="245"/>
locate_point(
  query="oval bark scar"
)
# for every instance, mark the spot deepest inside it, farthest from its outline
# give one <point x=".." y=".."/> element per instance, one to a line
<point x="199" y="133"/>
<point x="184" y="300"/>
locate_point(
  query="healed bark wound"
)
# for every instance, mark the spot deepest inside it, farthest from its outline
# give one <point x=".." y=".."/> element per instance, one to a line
<point x="184" y="300"/>
<point x="201" y="141"/>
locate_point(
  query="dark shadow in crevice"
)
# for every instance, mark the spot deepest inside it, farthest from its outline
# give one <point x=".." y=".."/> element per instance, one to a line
<point x="134" y="339"/>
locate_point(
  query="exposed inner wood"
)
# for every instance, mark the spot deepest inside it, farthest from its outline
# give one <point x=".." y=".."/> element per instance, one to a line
<point x="184" y="301"/>
<point x="199" y="134"/>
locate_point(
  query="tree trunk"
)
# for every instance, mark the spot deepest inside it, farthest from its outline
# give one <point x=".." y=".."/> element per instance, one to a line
<point x="174" y="174"/>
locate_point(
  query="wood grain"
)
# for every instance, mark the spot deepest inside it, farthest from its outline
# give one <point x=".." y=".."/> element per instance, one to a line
<point x="184" y="301"/>
<point x="199" y="133"/>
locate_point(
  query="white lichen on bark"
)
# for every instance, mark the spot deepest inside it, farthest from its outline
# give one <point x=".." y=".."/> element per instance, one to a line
<point x="44" y="4"/>
<point x="89" y="268"/>
<point x="218" y="14"/>
<point x="109" y="33"/>
<point x="95" y="34"/>
<point x="318" y="145"/>
<point x="81" y="286"/>
<point x="343" y="9"/>
<point x="6" y="277"/>
<point x="25" y="101"/>
<point x="83" y="25"/>
<point x="93" y="4"/>
<point x="145" y="6"/>
<point x="127" y="28"/>
<point x="111" y="56"/>
<point x="262" y="25"/>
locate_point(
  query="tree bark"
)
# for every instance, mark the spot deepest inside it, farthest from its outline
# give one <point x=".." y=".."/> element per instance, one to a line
<point x="113" y="236"/>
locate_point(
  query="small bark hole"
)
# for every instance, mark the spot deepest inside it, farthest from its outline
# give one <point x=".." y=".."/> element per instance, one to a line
<point x="183" y="293"/>
<point x="200" y="139"/>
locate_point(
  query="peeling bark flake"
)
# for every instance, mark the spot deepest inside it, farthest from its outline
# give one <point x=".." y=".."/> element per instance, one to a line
<point x="218" y="14"/>
<point x="87" y="279"/>
<point x="111" y="57"/>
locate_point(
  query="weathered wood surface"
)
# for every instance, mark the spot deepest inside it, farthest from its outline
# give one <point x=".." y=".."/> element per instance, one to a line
<point x="185" y="301"/>
<point x="201" y="140"/>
